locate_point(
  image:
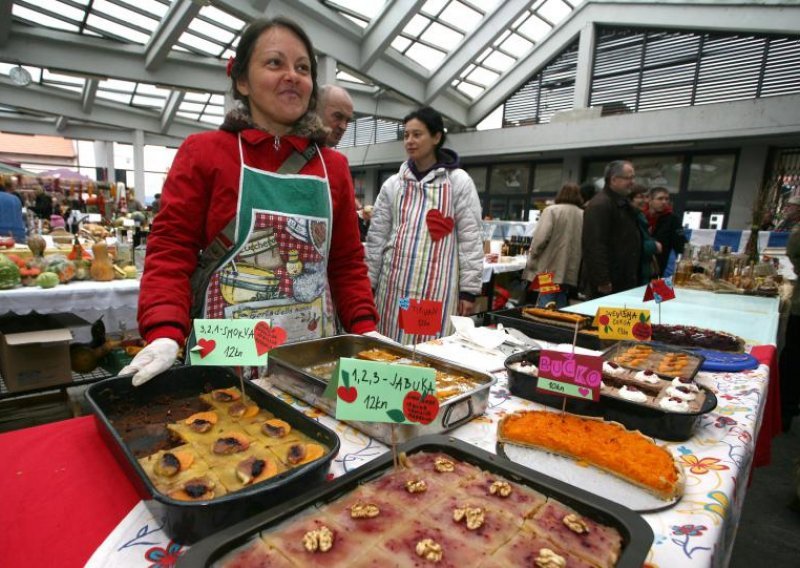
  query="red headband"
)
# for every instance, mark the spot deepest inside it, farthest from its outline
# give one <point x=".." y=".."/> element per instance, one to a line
<point x="231" y="61"/>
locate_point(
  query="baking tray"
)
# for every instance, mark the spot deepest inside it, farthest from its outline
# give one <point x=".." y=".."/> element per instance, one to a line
<point x="610" y="353"/>
<point x="637" y="536"/>
<point x="655" y="422"/>
<point x="553" y="333"/>
<point x="187" y="522"/>
<point x="286" y="366"/>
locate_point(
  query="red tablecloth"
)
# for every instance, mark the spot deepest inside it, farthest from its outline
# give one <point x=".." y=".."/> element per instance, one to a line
<point x="61" y="494"/>
<point x="771" y="423"/>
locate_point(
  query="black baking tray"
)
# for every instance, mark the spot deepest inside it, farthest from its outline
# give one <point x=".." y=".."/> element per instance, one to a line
<point x="187" y="522"/>
<point x="655" y="422"/>
<point x="637" y="536"/>
<point x="513" y="318"/>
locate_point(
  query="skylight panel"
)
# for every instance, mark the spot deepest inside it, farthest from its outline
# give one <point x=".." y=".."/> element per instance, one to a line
<point x="199" y="44"/>
<point x="113" y="29"/>
<point x="433" y="7"/>
<point x="345" y="76"/>
<point x="367" y="8"/>
<point x="192" y="107"/>
<point x="401" y="43"/>
<point x="360" y="22"/>
<point x="157" y="9"/>
<point x="188" y="115"/>
<point x="57" y="8"/>
<point x="461" y="16"/>
<point x="554" y="11"/>
<point x="51" y="77"/>
<point x="211" y="119"/>
<point x="499" y="61"/>
<point x="40" y="19"/>
<point x="117" y="85"/>
<point x="471" y="91"/>
<point x="113" y="11"/>
<point x="218" y="100"/>
<point x="152" y="90"/>
<point x="425" y="56"/>
<point x="534" y="28"/>
<point x="221" y="18"/>
<point x="195" y="97"/>
<point x="442" y="36"/>
<point x="516" y="45"/>
<point x="147" y="102"/>
<point x="210" y="30"/>
<point x="415" y="26"/>
<point x="482" y="76"/>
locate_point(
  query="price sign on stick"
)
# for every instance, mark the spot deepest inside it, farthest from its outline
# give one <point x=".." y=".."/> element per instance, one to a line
<point x="421" y="317"/>
<point x="659" y="290"/>
<point x="544" y="283"/>
<point x="570" y="375"/>
<point x="623" y="323"/>
<point x="381" y="392"/>
<point x="231" y="342"/>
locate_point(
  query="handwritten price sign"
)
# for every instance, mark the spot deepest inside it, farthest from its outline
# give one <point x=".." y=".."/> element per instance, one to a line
<point x="421" y="317"/>
<point x="543" y="282"/>
<point x="381" y="392"/>
<point x="568" y="374"/>
<point x="620" y="323"/>
<point x="231" y="342"/>
<point x="659" y="290"/>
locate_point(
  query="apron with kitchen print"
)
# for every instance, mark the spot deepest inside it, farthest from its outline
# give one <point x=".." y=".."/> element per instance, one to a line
<point x="275" y="263"/>
<point x="424" y="259"/>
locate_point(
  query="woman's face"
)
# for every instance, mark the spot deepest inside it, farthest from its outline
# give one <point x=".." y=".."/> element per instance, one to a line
<point x="639" y="200"/>
<point x="278" y="83"/>
<point x="419" y="144"/>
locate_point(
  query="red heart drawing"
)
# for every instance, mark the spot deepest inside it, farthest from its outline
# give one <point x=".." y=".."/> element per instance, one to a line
<point x="583" y="391"/>
<point x="347" y="394"/>
<point x="439" y="226"/>
<point x="267" y="337"/>
<point x="206" y="346"/>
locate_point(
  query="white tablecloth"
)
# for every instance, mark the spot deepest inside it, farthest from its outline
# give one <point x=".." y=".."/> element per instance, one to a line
<point x="516" y="263"/>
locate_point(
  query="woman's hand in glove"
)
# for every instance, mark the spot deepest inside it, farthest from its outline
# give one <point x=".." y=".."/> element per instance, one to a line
<point x="154" y="359"/>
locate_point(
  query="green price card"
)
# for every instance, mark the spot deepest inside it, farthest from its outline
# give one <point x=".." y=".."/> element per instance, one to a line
<point x="383" y="392"/>
<point x="231" y="342"/>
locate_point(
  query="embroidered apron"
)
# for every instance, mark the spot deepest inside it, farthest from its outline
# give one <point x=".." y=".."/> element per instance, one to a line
<point x="421" y="257"/>
<point x="275" y="266"/>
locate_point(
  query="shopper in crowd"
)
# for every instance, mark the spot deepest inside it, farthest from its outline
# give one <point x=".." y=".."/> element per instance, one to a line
<point x="665" y="227"/>
<point x="789" y="364"/>
<point x="790" y="215"/>
<point x="611" y="240"/>
<point x="275" y="244"/>
<point x="556" y="245"/>
<point x="335" y="108"/>
<point x="364" y="221"/>
<point x="43" y="204"/>
<point x="588" y="190"/>
<point x="650" y="247"/>
<point x="425" y="240"/>
<point x="11" y="221"/>
<point x="156" y="205"/>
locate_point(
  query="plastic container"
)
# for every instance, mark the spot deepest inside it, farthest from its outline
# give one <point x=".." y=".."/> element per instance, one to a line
<point x="637" y="536"/>
<point x="652" y="421"/>
<point x="187" y="522"/>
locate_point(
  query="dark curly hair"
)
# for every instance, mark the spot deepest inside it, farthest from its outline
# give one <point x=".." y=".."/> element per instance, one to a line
<point x="432" y="120"/>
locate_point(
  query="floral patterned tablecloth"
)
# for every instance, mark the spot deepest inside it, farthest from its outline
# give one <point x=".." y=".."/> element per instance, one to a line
<point x="699" y="530"/>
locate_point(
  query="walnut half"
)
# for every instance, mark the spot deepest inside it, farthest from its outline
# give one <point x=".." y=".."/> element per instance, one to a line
<point x="442" y="465"/>
<point x="416" y="486"/>
<point x="364" y="511"/>
<point x="576" y="524"/>
<point x="549" y="559"/>
<point x="500" y="488"/>
<point x="430" y="550"/>
<point x="474" y="516"/>
<point x="320" y="540"/>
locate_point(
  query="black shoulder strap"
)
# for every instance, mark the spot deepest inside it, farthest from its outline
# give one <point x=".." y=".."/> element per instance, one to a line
<point x="210" y="258"/>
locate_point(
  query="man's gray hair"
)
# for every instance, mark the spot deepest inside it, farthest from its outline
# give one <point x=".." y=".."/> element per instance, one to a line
<point x="614" y="168"/>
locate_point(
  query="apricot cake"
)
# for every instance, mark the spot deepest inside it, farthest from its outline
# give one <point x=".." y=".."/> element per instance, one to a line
<point x="467" y="518"/>
<point x="606" y="445"/>
<point x="229" y="446"/>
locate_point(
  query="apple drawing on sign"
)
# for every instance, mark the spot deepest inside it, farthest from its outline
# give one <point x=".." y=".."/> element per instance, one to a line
<point x="347" y="394"/>
<point x="267" y="337"/>
<point x="418" y="408"/>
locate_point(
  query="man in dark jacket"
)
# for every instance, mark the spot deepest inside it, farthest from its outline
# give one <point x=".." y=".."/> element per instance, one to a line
<point x="611" y="241"/>
<point x="664" y="226"/>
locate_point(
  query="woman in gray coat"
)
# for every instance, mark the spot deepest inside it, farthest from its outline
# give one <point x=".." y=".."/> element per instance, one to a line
<point x="556" y="245"/>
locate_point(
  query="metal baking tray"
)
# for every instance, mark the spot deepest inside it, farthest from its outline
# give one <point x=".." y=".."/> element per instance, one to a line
<point x="655" y="422"/>
<point x="553" y="333"/>
<point x="696" y="358"/>
<point x="175" y="392"/>
<point x="286" y="370"/>
<point x="637" y="536"/>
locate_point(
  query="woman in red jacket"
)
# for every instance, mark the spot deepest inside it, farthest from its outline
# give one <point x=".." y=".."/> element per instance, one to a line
<point x="270" y="207"/>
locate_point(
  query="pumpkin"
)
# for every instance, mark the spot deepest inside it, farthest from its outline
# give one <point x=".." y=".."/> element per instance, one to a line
<point x="47" y="280"/>
<point x="61" y="266"/>
<point x="102" y="267"/>
<point x="9" y="273"/>
<point x="16" y="260"/>
<point x="29" y="274"/>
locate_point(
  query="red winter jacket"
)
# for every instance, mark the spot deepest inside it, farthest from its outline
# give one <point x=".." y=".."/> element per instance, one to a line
<point x="200" y="197"/>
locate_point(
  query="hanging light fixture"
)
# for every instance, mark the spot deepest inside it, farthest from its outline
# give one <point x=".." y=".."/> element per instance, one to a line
<point x="19" y="76"/>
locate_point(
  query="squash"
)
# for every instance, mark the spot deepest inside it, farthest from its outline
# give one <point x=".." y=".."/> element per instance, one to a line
<point x="9" y="273"/>
<point x="37" y="244"/>
<point x="102" y="267"/>
<point x="29" y="274"/>
<point x="47" y="280"/>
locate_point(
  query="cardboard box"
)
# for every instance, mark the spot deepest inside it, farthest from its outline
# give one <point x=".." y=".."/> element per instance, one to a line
<point x="34" y="352"/>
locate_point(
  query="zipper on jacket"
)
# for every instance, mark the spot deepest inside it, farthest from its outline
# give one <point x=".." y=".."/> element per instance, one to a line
<point x="276" y="143"/>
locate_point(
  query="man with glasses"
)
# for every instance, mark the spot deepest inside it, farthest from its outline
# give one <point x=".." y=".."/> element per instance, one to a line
<point x="611" y="242"/>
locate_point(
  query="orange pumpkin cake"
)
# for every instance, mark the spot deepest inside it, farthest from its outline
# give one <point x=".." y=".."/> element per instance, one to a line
<point x="607" y="445"/>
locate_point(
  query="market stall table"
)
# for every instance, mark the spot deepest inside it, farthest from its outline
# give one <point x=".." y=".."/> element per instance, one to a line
<point x="59" y="484"/>
<point x="492" y="269"/>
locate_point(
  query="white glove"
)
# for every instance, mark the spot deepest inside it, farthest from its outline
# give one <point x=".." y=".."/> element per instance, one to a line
<point x="154" y="359"/>
<point x="380" y="336"/>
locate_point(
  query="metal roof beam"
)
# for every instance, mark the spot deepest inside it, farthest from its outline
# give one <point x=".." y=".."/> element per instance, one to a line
<point x="26" y="124"/>
<point x="172" y="25"/>
<point x="57" y="102"/>
<point x="171" y="107"/>
<point x="490" y="29"/>
<point x="100" y="58"/>
<point x="89" y="94"/>
<point x="384" y="28"/>
<point x="5" y="20"/>
<point x="60" y="123"/>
